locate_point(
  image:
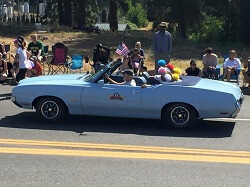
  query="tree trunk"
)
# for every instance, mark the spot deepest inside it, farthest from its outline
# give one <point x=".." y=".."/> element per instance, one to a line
<point x="61" y="12"/>
<point x="81" y="18"/>
<point x="113" y="15"/>
<point x="68" y="12"/>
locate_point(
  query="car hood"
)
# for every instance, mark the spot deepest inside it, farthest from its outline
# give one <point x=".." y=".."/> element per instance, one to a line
<point x="220" y="86"/>
<point x="54" y="80"/>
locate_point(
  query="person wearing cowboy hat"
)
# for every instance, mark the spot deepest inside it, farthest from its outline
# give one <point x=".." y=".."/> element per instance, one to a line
<point x="162" y="44"/>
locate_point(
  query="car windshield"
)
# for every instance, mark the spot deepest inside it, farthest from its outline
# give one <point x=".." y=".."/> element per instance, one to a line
<point x="109" y="69"/>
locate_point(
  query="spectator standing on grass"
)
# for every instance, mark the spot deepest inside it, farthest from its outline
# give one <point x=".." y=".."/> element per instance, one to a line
<point x="3" y="69"/>
<point x="193" y="70"/>
<point x="135" y="58"/>
<point x="230" y="65"/>
<point x="162" y="44"/>
<point x="210" y="61"/>
<point x="36" y="47"/>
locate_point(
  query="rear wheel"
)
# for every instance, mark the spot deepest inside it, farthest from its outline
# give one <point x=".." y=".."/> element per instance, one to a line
<point x="51" y="109"/>
<point x="180" y="115"/>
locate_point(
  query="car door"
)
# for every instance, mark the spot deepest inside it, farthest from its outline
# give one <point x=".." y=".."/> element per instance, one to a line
<point x="112" y="100"/>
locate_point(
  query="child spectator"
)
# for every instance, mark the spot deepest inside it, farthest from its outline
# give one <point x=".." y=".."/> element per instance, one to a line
<point x="193" y="70"/>
<point x="36" y="69"/>
<point x="3" y="69"/>
<point x="144" y="69"/>
<point x="135" y="59"/>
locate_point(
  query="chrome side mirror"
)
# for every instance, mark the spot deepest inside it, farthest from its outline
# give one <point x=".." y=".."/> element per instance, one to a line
<point x="101" y="82"/>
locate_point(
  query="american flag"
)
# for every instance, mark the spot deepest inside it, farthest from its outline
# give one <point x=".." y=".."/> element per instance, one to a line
<point x="122" y="50"/>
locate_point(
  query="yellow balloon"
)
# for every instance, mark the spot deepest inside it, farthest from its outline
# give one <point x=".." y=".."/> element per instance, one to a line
<point x="177" y="71"/>
<point x="176" y="76"/>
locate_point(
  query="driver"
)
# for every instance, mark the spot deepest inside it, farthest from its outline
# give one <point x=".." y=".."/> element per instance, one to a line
<point x="127" y="77"/>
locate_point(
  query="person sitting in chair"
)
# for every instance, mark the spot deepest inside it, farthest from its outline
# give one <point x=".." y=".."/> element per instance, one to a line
<point x="100" y="57"/>
<point x="246" y="74"/>
<point x="193" y="70"/>
<point x="127" y="77"/>
<point x="230" y="65"/>
<point x="210" y="61"/>
<point x="36" y="47"/>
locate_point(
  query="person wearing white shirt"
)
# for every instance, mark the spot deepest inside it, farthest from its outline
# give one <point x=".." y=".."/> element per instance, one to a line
<point x="230" y="65"/>
<point x="127" y="77"/>
<point x="21" y="57"/>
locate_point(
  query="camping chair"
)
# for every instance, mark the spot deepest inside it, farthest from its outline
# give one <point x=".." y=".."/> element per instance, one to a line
<point x="219" y="76"/>
<point x="76" y="63"/>
<point x="59" y="60"/>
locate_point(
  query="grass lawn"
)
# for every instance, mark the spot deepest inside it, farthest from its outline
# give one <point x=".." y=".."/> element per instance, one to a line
<point x="84" y="43"/>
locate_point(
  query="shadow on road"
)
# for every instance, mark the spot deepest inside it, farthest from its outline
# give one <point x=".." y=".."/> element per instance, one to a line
<point x="85" y="124"/>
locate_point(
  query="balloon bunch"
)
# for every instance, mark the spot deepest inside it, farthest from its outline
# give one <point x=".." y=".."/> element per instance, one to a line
<point x="169" y="69"/>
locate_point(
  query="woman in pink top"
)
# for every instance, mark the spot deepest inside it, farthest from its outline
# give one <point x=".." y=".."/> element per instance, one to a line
<point x="230" y="65"/>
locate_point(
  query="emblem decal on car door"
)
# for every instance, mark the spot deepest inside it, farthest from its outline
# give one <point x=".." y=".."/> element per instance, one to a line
<point x="116" y="96"/>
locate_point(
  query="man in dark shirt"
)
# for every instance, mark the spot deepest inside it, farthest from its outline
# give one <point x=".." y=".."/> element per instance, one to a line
<point x="36" y="47"/>
<point x="193" y="70"/>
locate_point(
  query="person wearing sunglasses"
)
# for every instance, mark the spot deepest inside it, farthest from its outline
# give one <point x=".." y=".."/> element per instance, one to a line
<point x="193" y="70"/>
<point x="36" y="47"/>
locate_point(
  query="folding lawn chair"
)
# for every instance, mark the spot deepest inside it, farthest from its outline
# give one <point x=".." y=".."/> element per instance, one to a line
<point x="76" y="63"/>
<point x="59" y="60"/>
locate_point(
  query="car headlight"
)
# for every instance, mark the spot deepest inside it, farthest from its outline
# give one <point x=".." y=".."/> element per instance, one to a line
<point x="13" y="98"/>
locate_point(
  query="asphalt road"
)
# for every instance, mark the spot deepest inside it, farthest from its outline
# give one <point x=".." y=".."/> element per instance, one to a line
<point x="96" y="151"/>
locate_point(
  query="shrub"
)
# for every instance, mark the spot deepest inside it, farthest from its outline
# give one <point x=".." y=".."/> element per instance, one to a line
<point x="137" y="15"/>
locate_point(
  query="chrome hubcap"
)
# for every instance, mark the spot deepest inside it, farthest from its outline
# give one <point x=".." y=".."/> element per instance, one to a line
<point x="179" y="116"/>
<point x="49" y="109"/>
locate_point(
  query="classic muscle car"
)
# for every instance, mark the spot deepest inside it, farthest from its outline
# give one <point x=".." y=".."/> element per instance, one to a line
<point x="178" y="104"/>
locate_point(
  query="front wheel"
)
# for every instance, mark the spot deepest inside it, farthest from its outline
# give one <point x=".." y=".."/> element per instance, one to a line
<point x="51" y="109"/>
<point x="180" y="115"/>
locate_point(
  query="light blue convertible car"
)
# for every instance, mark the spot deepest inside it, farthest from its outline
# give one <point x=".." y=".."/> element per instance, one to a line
<point x="178" y="104"/>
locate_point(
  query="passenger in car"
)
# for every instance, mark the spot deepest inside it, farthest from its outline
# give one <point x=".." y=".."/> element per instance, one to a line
<point x="127" y="77"/>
